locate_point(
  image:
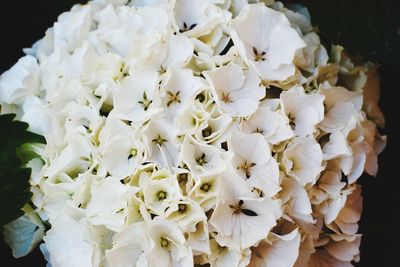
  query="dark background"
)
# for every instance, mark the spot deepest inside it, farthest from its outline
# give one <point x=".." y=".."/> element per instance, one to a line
<point x="25" y="21"/>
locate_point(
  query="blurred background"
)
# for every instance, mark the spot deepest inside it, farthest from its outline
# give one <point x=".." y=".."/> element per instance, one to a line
<point x="25" y="21"/>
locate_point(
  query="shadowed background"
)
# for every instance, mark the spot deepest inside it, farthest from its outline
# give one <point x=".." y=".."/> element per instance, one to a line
<point x="23" y="22"/>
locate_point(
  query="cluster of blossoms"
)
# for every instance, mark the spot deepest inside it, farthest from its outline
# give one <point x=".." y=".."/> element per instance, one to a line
<point x="183" y="132"/>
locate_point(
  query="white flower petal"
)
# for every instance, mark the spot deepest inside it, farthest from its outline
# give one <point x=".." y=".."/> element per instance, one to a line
<point x="272" y="124"/>
<point x="302" y="159"/>
<point x="108" y="205"/>
<point x="304" y="110"/>
<point x="236" y="91"/>
<point x="20" y="82"/>
<point x="270" y="49"/>
<point x="283" y="251"/>
<point x="135" y="97"/>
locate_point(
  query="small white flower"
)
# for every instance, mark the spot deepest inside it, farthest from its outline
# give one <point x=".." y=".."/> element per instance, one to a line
<point x="192" y="118"/>
<point x="348" y="217"/>
<point x="343" y="108"/>
<point x="215" y="128"/>
<point x="313" y="55"/>
<point x="236" y="91"/>
<point x="161" y="194"/>
<point x="223" y="256"/>
<point x="273" y="125"/>
<point x="74" y="158"/>
<point x="161" y="143"/>
<point x="180" y="51"/>
<point x="71" y="242"/>
<point x="298" y="206"/>
<point x="253" y="162"/>
<point x="109" y="203"/>
<point x="128" y="246"/>
<point x="72" y="28"/>
<point x="135" y="99"/>
<point x="277" y="251"/>
<point x="195" y="18"/>
<point x="266" y="41"/>
<point x="24" y="233"/>
<point x="302" y="160"/>
<point x="304" y="110"/>
<point x="120" y="148"/>
<point x="366" y="144"/>
<point x="179" y="88"/>
<point x="168" y="245"/>
<point x="199" y="240"/>
<point x="187" y="214"/>
<point x="44" y="121"/>
<point x="20" y="82"/>
<point x="241" y="220"/>
<point x="202" y="159"/>
<point x="119" y="28"/>
<point x="205" y="191"/>
<point x="336" y="147"/>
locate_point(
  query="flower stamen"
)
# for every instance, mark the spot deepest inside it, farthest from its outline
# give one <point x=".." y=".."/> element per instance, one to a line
<point x="225" y="98"/>
<point x="161" y="195"/>
<point x="145" y="102"/>
<point x="159" y="140"/>
<point x="201" y="160"/>
<point x="186" y="27"/>
<point x="245" y="167"/>
<point x="164" y="242"/>
<point x="173" y="98"/>
<point x="259" y="56"/>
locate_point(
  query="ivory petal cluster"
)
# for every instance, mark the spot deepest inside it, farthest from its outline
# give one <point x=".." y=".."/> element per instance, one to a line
<point x="193" y="132"/>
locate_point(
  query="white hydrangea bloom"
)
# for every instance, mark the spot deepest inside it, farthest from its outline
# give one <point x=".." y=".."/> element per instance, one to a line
<point x="182" y="133"/>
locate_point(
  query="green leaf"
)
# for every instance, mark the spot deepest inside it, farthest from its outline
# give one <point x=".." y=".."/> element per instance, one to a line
<point x="29" y="151"/>
<point x="14" y="180"/>
<point x="367" y="27"/>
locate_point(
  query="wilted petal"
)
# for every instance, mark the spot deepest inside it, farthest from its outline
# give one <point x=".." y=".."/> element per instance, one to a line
<point x="280" y="251"/>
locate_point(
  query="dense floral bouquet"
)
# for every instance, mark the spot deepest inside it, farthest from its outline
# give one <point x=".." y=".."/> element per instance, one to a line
<point x="192" y="132"/>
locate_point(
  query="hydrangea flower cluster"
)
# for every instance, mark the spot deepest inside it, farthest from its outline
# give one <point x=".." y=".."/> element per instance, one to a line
<point x="182" y="132"/>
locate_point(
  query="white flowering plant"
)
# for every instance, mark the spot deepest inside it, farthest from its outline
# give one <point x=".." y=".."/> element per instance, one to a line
<point x="201" y="132"/>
